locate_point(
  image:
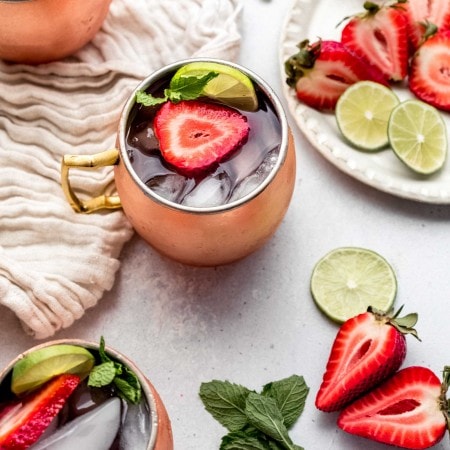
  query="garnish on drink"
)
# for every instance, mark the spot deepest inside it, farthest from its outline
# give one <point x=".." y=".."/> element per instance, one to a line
<point x="55" y="396"/>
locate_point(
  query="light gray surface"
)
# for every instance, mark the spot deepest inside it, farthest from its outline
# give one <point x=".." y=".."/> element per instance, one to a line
<point x="254" y="321"/>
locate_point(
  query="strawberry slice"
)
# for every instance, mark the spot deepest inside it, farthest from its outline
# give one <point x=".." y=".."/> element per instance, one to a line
<point x="22" y="422"/>
<point x="429" y="77"/>
<point x="367" y="349"/>
<point x="380" y="37"/>
<point x="320" y="72"/>
<point x="405" y="411"/>
<point x="423" y="13"/>
<point x="194" y="135"/>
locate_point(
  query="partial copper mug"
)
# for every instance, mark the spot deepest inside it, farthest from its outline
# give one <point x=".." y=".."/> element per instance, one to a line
<point x="161" y="430"/>
<point x="206" y="236"/>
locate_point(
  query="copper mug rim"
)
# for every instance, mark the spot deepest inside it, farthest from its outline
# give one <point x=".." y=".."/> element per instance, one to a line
<point x="149" y="397"/>
<point x="170" y="68"/>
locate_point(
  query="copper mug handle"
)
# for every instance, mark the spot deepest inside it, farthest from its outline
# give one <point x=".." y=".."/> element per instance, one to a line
<point x="106" y="158"/>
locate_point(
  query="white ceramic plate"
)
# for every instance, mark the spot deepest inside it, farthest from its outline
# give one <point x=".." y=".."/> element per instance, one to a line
<point x="382" y="170"/>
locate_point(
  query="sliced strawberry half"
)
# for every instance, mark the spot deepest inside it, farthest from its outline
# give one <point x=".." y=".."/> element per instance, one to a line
<point x="194" y="135"/>
<point x="320" y="72"/>
<point x="429" y="77"/>
<point x="408" y="410"/>
<point x="380" y="37"/>
<point x="367" y="349"/>
<point x="23" y="422"/>
<point x="423" y="13"/>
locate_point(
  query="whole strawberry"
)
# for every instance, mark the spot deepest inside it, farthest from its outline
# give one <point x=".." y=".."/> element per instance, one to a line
<point x="379" y="36"/>
<point x="367" y="349"/>
<point x="429" y="77"/>
<point x="321" y="71"/>
<point x="410" y="410"/>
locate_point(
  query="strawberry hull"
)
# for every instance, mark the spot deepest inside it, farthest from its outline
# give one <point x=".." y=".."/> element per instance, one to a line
<point x="405" y="411"/>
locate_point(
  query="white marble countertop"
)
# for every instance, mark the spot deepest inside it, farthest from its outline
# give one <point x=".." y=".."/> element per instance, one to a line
<point x="254" y="321"/>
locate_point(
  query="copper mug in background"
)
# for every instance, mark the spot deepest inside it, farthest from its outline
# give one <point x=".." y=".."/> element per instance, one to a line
<point x="40" y="31"/>
<point x="161" y="431"/>
<point x="195" y="236"/>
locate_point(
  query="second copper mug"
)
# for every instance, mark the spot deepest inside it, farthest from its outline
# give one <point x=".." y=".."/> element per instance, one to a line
<point x="201" y="236"/>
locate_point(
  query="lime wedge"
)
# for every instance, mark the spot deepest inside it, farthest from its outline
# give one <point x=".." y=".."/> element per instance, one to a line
<point x="231" y="86"/>
<point x="418" y="136"/>
<point x="362" y="114"/>
<point x="346" y="281"/>
<point x="41" y="365"/>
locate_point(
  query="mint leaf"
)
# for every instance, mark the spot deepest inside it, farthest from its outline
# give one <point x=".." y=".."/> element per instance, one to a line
<point x="263" y="413"/>
<point x="290" y="395"/>
<point x="148" y="100"/>
<point x="180" y="88"/>
<point x="188" y="87"/>
<point x="225" y="401"/>
<point x="240" y="440"/>
<point x="102" y="375"/>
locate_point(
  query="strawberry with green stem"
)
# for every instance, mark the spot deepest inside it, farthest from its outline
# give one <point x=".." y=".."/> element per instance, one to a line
<point x="321" y="71"/>
<point x="425" y="17"/>
<point x="379" y="36"/>
<point x="368" y="348"/>
<point x="410" y="410"/>
<point x="429" y="77"/>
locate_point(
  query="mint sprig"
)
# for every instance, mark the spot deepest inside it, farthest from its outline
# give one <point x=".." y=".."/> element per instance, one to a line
<point x="113" y="372"/>
<point x="256" y="421"/>
<point x="180" y="88"/>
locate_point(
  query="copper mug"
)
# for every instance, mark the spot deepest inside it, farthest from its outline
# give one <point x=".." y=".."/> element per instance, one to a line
<point x="206" y="236"/>
<point x="39" y="31"/>
<point x="161" y="431"/>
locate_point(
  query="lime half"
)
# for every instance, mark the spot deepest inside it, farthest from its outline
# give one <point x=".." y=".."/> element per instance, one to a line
<point x="418" y="136"/>
<point x="41" y="365"/>
<point x="346" y="281"/>
<point x="231" y="87"/>
<point x="362" y="114"/>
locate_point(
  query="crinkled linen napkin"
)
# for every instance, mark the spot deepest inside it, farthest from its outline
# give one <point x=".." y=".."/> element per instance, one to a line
<point x="54" y="263"/>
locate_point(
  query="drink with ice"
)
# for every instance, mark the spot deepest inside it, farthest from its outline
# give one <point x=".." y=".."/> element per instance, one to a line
<point x="226" y="181"/>
<point x="68" y="397"/>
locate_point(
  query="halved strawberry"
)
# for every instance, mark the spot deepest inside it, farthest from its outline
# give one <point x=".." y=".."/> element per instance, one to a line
<point x="429" y="77"/>
<point x="320" y="72"/>
<point x="423" y="13"/>
<point x="409" y="410"/>
<point x="380" y="36"/>
<point x="24" y="420"/>
<point x="195" y="135"/>
<point x="367" y="349"/>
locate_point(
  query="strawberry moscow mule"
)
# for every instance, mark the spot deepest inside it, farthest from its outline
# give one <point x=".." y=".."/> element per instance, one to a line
<point x="73" y="396"/>
<point x="203" y="136"/>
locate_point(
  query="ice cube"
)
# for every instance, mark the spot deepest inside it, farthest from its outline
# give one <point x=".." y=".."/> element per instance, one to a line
<point x="170" y="186"/>
<point x="136" y="428"/>
<point x="251" y="182"/>
<point x="212" y="191"/>
<point x="94" y="430"/>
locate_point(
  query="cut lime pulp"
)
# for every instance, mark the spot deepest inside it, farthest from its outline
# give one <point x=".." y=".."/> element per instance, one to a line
<point x="41" y="365"/>
<point x="362" y="114"/>
<point x="346" y="281"/>
<point x="231" y="87"/>
<point x="418" y="136"/>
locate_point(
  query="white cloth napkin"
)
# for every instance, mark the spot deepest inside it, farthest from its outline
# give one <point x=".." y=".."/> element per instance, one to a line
<point x="54" y="263"/>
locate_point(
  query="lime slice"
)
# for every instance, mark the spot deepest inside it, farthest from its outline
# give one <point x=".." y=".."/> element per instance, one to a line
<point x="348" y="280"/>
<point x="418" y="136"/>
<point x="41" y="365"/>
<point x="231" y="86"/>
<point x="362" y="114"/>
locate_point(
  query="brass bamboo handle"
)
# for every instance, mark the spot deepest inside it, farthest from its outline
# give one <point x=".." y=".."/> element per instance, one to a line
<point x="106" y="158"/>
